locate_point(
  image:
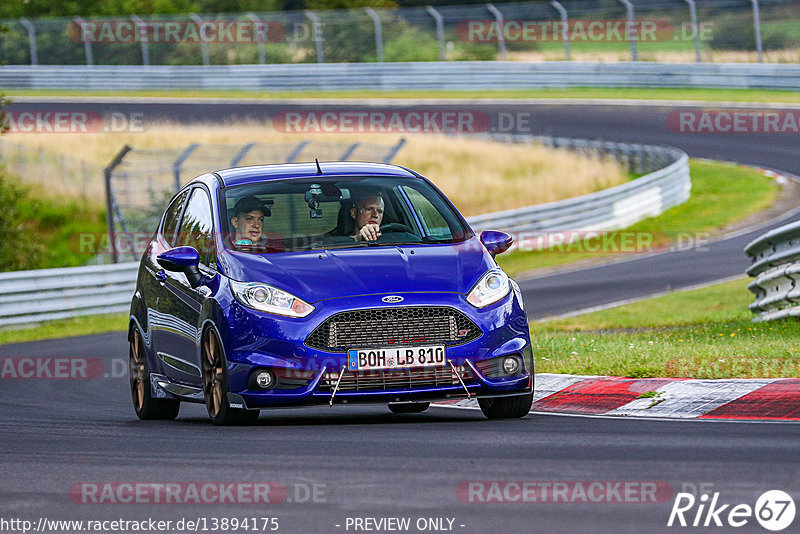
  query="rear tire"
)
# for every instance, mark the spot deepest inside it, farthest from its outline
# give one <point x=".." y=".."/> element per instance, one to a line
<point x="215" y="387"/>
<point x="507" y="407"/>
<point x="139" y="373"/>
<point x="409" y="407"/>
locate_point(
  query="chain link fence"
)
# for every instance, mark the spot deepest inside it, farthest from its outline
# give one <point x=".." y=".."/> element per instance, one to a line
<point x="604" y="30"/>
<point x="140" y="183"/>
<point x="56" y="174"/>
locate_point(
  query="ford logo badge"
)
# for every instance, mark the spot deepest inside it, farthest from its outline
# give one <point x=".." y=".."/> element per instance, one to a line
<point x="392" y="299"/>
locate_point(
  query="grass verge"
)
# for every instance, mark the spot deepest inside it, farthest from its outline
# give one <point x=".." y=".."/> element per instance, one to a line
<point x="722" y="194"/>
<point x="77" y="326"/>
<point x="711" y="95"/>
<point x="703" y="333"/>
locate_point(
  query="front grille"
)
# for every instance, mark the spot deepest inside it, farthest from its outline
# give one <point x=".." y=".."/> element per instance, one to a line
<point x="392" y="326"/>
<point x="396" y="379"/>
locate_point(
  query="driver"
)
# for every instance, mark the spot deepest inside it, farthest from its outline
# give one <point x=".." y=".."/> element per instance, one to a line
<point x="367" y="214"/>
<point x="248" y="221"/>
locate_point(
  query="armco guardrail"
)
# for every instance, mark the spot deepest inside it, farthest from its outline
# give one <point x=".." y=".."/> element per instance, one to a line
<point x="42" y="295"/>
<point x="457" y="75"/>
<point x="776" y="268"/>
<point x="30" y="296"/>
<point x="667" y="184"/>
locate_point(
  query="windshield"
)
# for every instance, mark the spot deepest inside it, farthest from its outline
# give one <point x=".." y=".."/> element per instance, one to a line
<point x="333" y="213"/>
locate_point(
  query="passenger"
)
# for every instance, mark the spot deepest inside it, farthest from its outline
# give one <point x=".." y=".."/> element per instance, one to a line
<point x="248" y="221"/>
<point x="367" y="214"/>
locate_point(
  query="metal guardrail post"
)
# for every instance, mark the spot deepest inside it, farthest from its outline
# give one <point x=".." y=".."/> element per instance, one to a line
<point x="31" y="40"/>
<point x="295" y="153"/>
<point x="757" y="28"/>
<point x="439" y="31"/>
<point x="632" y="32"/>
<point x="695" y="29"/>
<point x="317" y="34"/>
<point x="241" y="154"/>
<point x="107" y="172"/>
<point x="394" y="150"/>
<point x="349" y="152"/>
<point x="376" y="20"/>
<point x="262" y="37"/>
<point x="178" y="163"/>
<point x="87" y="44"/>
<point x="142" y="29"/>
<point x="501" y="38"/>
<point x="564" y="31"/>
<point x="203" y="44"/>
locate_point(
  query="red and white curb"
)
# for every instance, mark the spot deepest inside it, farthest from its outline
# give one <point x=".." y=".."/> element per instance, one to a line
<point x="676" y="398"/>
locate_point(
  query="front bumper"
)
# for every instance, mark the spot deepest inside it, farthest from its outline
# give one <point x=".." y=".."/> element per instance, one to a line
<point x="307" y="376"/>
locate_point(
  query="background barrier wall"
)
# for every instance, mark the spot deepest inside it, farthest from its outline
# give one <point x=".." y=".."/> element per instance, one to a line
<point x="462" y="75"/>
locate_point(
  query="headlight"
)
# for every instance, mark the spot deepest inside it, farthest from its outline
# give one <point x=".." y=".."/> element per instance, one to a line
<point x="493" y="286"/>
<point x="263" y="297"/>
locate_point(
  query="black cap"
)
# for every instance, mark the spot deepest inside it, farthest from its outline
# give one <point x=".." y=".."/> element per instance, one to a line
<point x="248" y="204"/>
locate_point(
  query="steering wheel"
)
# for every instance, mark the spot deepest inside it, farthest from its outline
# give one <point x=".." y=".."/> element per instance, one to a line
<point x="396" y="227"/>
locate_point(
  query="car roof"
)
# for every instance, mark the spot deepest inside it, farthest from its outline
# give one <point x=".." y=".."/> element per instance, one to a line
<point x="259" y="173"/>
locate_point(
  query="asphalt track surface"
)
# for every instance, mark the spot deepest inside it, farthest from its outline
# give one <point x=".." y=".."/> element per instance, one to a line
<point x="368" y="463"/>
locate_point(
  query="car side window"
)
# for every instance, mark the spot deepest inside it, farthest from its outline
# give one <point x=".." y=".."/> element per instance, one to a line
<point x="432" y="220"/>
<point x="171" y="217"/>
<point x="197" y="227"/>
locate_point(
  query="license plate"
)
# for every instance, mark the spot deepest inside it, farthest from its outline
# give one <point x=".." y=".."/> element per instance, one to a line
<point x="395" y="357"/>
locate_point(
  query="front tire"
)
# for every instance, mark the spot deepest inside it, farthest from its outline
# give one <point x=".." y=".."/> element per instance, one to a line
<point x="139" y="372"/>
<point x="409" y="407"/>
<point x="215" y="386"/>
<point x="507" y="407"/>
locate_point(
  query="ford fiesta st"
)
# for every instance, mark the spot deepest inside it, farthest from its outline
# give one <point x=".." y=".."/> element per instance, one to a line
<point x="333" y="283"/>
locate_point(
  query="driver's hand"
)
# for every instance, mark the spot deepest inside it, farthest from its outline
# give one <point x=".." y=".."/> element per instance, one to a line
<point x="369" y="232"/>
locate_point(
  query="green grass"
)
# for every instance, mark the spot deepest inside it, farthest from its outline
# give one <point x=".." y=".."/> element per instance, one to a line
<point x="703" y="333"/>
<point x="721" y="194"/>
<point x="77" y="326"/>
<point x="712" y="95"/>
<point x="57" y="226"/>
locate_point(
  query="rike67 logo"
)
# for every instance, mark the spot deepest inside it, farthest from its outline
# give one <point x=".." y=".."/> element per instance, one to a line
<point x="774" y="510"/>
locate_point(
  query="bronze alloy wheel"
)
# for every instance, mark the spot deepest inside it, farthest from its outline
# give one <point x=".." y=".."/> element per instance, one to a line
<point x="213" y="375"/>
<point x="139" y="372"/>
<point x="215" y="386"/>
<point x="136" y="372"/>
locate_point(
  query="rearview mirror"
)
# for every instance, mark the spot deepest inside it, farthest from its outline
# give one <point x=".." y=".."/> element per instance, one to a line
<point x="496" y="242"/>
<point x="184" y="260"/>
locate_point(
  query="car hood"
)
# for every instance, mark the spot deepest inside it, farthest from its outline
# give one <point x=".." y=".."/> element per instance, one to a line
<point x="326" y="274"/>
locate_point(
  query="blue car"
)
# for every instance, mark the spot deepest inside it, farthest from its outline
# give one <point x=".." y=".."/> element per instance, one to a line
<point x="335" y="283"/>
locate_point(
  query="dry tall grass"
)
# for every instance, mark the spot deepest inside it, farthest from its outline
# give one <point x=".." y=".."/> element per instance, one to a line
<point x="478" y="175"/>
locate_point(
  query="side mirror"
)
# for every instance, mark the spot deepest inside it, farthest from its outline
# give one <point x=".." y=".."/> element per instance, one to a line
<point x="496" y="242"/>
<point x="184" y="260"/>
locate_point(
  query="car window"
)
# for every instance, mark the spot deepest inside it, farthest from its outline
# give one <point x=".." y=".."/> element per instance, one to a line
<point x="171" y="217"/>
<point x="308" y="214"/>
<point x="197" y="228"/>
<point x="432" y="220"/>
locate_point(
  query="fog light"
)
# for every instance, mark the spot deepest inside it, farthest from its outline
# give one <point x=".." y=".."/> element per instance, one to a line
<point x="511" y="365"/>
<point x="265" y="379"/>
